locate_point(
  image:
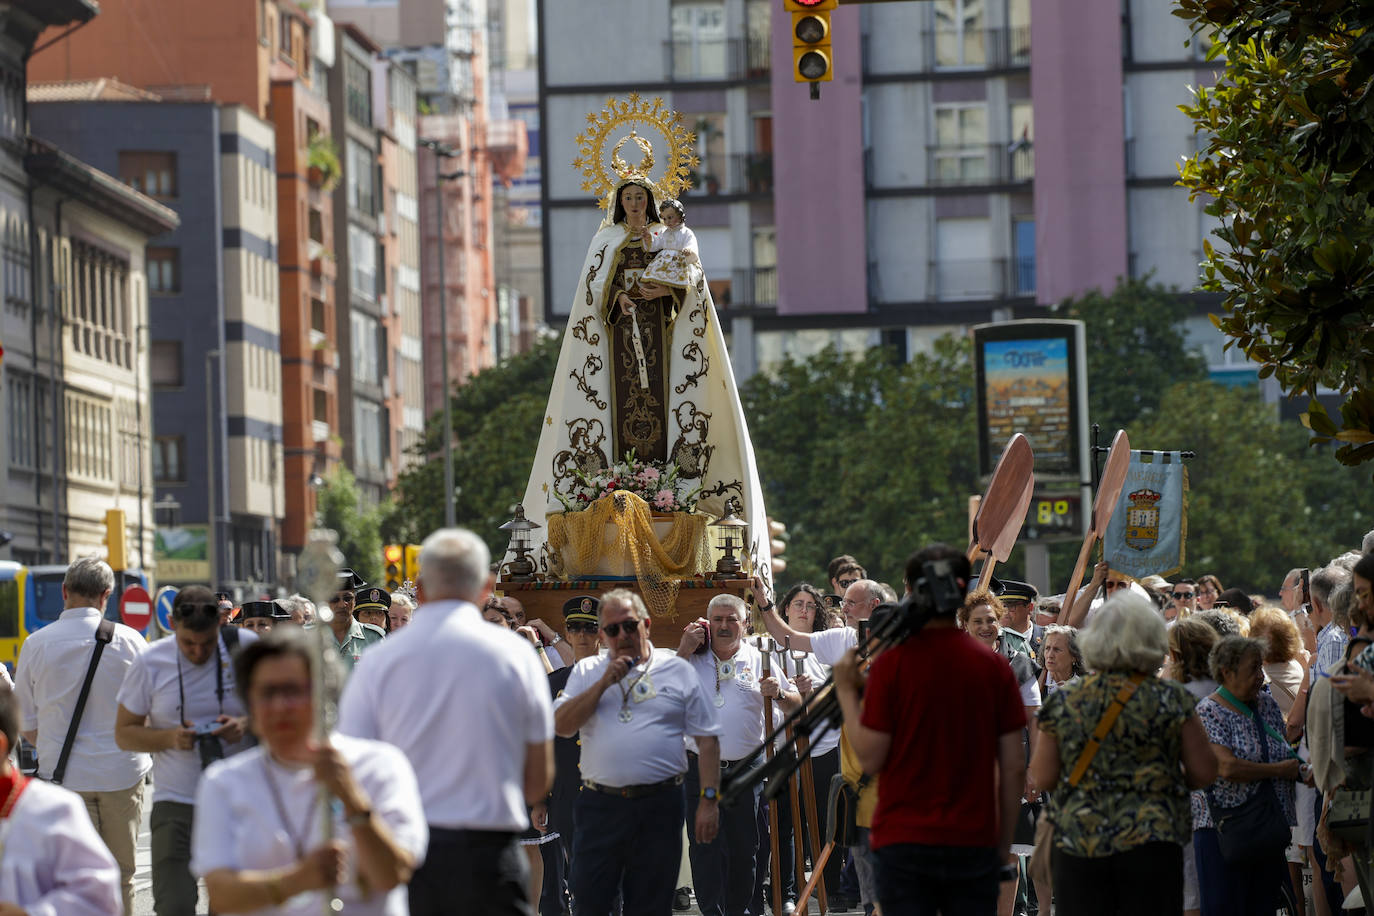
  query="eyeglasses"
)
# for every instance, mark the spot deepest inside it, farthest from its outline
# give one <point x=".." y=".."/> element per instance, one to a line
<point x="1182" y="596"/>
<point x="803" y="606"/>
<point x="845" y="583"/>
<point x="1112" y="583"/>
<point x="1014" y="602"/>
<point x="292" y="694"/>
<point x="578" y="627"/>
<point x="342" y="598"/>
<point x="613" y="629"/>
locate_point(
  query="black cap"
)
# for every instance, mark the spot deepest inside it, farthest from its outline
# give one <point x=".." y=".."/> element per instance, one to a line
<point x="995" y="585"/>
<point x="350" y="580"/>
<point x="372" y="599"/>
<point x="1018" y="590"/>
<point x="269" y="609"/>
<point x="582" y="607"/>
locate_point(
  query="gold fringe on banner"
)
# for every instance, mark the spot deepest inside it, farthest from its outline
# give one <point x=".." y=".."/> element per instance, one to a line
<point x="579" y="541"/>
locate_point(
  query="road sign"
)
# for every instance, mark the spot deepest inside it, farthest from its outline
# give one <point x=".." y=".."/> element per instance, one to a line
<point x="136" y="607"/>
<point x="165" y="596"/>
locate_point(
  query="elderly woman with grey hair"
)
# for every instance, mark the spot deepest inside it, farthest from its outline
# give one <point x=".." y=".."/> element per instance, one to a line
<point x="1061" y="656"/>
<point x="1257" y="768"/>
<point x="1119" y="803"/>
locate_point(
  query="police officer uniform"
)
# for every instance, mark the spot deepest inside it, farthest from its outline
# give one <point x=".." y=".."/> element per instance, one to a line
<point x="372" y="598"/>
<point x="360" y="636"/>
<point x="1030" y="641"/>
<point x="261" y="610"/>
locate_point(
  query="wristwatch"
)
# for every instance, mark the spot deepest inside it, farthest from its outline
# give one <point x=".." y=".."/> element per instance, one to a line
<point x="710" y="793"/>
<point x="557" y="638"/>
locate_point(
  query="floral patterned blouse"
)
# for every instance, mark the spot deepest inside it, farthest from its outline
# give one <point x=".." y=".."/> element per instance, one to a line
<point x="1133" y="792"/>
<point x="1241" y="734"/>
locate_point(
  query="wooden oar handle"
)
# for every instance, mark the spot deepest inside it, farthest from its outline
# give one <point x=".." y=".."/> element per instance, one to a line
<point x="1071" y="593"/>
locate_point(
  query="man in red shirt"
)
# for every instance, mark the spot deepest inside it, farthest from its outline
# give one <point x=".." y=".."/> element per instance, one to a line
<point x="940" y="719"/>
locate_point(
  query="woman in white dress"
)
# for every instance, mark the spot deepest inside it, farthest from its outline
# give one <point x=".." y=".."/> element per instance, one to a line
<point x="259" y="840"/>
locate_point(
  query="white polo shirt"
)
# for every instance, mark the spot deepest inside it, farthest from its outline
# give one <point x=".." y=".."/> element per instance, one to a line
<point x="829" y="646"/>
<point x="740" y="708"/>
<point x="55" y="864"/>
<point x="51" y="669"/>
<point x="666" y="706"/>
<point x="150" y="689"/>
<point x="463" y="700"/>
<point x="818" y="673"/>
<point x="240" y="824"/>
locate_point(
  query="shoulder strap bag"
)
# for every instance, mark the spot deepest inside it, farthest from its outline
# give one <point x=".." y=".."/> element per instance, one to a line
<point x="1256" y="827"/>
<point x="1039" y="866"/>
<point x="104" y="633"/>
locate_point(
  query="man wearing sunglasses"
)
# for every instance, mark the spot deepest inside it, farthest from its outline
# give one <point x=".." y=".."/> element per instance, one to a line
<point x="634" y="707"/>
<point x="353" y="638"/>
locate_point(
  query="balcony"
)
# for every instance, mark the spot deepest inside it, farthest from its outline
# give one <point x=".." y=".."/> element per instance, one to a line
<point x="986" y="278"/>
<point x="319" y="431"/>
<point x="756" y="286"/>
<point x="750" y="173"/>
<point x="724" y="59"/>
<point x="977" y="49"/>
<point x="1152" y="162"/>
<point x="990" y="163"/>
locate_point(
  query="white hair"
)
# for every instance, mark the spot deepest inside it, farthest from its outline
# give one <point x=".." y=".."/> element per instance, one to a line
<point x="625" y="598"/>
<point x="733" y="602"/>
<point x="1126" y="633"/>
<point x="403" y="600"/>
<point x="1367" y="545"/>
<point x="454" y="563"/>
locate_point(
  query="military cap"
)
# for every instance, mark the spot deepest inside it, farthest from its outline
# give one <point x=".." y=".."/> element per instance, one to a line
<point x="373" y="598"/>
<point x="582" y="607"/>
<point x="1018" y="591"/>
<point x="349" y="580"/>
<point x="269" y="609"/>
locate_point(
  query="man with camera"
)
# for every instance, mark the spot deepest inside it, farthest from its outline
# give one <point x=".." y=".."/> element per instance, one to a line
<point x="731" y="673"/>
<point x="861" y="598"/>
<point x="940" y="719"/>
<point x="57" y="667"/>
<point x="179" y="703"/>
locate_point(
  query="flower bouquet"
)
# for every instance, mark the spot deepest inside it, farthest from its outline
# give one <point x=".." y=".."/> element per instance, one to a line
<point x="658" y="483"/>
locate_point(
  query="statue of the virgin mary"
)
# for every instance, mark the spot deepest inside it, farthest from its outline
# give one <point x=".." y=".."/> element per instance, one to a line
<point x="643" y="370"/>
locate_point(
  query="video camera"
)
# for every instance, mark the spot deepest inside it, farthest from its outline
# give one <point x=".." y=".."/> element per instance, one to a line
<point x="936" y="593"/>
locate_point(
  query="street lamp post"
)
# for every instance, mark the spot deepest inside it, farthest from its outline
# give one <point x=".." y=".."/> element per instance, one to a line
<point x="443" y="151"/>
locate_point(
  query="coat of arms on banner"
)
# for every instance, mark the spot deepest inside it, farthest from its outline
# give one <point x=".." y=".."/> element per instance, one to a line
<point x="1142" y="519"/>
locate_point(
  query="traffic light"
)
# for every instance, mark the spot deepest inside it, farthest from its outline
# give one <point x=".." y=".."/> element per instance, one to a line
<point x="394" y="555"/>
<point x="412" y="562"/>
<point x="776" y="532"/>
<point x="811" y="61"/>
<point x="115" y="541"/>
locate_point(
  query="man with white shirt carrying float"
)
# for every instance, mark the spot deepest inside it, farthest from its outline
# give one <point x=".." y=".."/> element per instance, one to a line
<point x="731" y="673"/>
<point x="633" y="707"/>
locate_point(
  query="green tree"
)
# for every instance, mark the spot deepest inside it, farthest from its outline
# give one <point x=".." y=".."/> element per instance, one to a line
<point x="1260" y="501"/>
<point x="340" y="508"/>
<point x="497" y="415"/>
<point x="1136" y="349"/>
<point x="1287" y="170"/>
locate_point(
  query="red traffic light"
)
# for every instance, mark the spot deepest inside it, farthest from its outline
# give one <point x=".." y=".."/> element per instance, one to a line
<point x="393" y="553"/>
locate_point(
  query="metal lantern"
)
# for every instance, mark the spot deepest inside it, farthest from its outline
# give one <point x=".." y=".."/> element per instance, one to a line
<point x="520" y="568"/>
<point x="731" y="532"/>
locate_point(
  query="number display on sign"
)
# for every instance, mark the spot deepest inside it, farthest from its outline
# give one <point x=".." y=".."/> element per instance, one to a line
<point x="1052" y="516"/>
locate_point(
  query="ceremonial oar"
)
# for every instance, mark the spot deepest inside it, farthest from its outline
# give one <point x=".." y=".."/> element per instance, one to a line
<point x="1104" y="504"/>
<point x="808" y="785"/>
<point x="1002" y="510"/>
<point x="775" y="867"/>
<point x="793" y="787"/>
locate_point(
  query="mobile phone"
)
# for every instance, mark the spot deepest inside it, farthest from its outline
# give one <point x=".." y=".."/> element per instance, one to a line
<point x="207" y="728"/>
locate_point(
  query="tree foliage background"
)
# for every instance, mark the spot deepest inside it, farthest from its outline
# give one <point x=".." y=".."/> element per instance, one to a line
<point x="341" y="508"/>
<point x="867" y="456"/>
<point x="1289" y="170"/>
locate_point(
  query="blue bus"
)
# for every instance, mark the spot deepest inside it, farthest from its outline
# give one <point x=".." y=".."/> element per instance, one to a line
<point x="31" y="598"/>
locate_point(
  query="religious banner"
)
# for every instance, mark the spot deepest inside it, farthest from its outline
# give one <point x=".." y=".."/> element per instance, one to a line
<point x="1149" y="529"/>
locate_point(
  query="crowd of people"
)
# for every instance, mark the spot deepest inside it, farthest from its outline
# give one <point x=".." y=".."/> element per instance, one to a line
<point x="1139" y="747"/>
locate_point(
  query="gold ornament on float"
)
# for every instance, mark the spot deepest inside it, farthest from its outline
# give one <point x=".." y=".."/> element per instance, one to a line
<point x="636" y="112"/>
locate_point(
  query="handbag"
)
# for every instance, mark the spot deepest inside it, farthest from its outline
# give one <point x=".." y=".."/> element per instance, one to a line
<point x="1347" y="817"/>
<point x="1256" y="827"/>
<point x="1038" y="869"/>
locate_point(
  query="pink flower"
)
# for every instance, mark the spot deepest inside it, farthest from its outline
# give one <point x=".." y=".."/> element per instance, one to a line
<point x="664" y="499"/>
<point x="649" y="475"/>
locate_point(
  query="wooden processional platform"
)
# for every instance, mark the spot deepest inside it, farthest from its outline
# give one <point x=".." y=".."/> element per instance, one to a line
<point x="545" y="600"/>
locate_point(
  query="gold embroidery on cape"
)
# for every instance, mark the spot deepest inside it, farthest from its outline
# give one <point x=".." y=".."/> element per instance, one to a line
<point x="585" y="452"/>
<point x="690" y="453"/>
<point x="592" y="272"/>
<point x="590" y="366"/>
<point x="580" y="331"/>
<point x="693" y="353"/>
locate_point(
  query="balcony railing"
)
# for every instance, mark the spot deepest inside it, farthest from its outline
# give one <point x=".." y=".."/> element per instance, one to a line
<point x="751" y="173"/>
<point x="721" y="59"/>
<point x="977" y="49"/>
<point x="1160" y="166"/>
<point x="990" y="163"/>
<point x="986" y="278"/>
<point x="757" y="286"/>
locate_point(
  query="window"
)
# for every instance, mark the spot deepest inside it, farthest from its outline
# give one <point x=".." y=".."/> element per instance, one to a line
<point x="959" y="28"/>
<point x="362" y="174"/>
<point x="367" y="425"/>
<point x="153" y="173"/>
<point x="699" y="47"/>
<point x="316" y="226"/>
<point x="164" y="270"/>
<point x="285" y="48"/>
<point x="365" y="341"/>
<point x="317" y="316"/>
<point x="167" y="459"/>
<point x="165" y="364"/>
<point x="21" y="431"/>
<point x="961" y="135"/>
<point x="1023" y="240"/>
<point x="358" y="88"/>
<point x="362" y="259"/>
<point x="264" y="24"/>
<point x="1022" y="146"/>
<point x="964" y="268"/>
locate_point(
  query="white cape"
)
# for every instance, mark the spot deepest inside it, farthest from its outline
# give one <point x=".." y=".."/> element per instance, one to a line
<point x="706" y="427"/>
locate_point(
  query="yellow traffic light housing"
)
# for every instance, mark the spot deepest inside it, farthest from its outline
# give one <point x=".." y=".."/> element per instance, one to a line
<point x="116" y="541"/>
<point x="811" y="52"/>
<point x="412" y="565"/>
<point x="394" y="555"/>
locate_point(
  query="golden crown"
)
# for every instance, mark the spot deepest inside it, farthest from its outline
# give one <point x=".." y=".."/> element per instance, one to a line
<point x="637" y="112"/>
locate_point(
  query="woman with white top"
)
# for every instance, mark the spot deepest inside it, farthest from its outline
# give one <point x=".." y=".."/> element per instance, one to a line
<point x="259" y="829"/>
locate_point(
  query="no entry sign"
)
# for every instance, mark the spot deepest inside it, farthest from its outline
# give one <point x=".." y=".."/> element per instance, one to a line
<point x="136" y="607"/>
